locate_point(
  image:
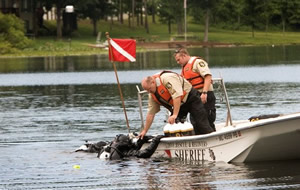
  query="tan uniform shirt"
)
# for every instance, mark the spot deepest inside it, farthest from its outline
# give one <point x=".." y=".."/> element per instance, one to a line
<point x="174" y="83"/>
<point x="201" y="66"/>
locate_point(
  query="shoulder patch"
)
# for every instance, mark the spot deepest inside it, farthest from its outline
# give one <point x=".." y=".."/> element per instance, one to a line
<point x="202" y="64"/>
<point x="169" y="85"/>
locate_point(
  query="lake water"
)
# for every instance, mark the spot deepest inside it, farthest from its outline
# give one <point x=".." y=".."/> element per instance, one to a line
<point x="51" y="105"/>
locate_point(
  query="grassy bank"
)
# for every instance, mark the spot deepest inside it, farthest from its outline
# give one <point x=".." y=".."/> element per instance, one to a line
<point x="76" y="44"/>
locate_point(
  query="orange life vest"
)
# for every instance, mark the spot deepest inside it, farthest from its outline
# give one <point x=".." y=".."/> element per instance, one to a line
<point x="162" y="95"/>
<point x="194" y="78"/>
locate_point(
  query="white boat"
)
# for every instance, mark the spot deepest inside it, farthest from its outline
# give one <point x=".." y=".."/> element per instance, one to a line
<point x="273" y="138"/>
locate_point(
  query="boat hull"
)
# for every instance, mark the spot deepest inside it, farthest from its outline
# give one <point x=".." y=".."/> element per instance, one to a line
<point x="262" y="140"/>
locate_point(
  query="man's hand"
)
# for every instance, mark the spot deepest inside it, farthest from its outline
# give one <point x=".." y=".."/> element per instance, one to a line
<point x="142" y="134"/>
<point x="176" y="108"/>
<point x="172" y="119"/>
<point x="149" y="120"/>
<point x="203" y="98"/>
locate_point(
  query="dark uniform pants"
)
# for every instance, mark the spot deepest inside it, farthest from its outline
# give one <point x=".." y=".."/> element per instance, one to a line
<point x="210" y="107"/>
<point x="195" y="107"/>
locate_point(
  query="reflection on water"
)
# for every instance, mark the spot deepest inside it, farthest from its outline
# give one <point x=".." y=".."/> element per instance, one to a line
<point x="216" y="57"/>
<point x="45" y="116"/>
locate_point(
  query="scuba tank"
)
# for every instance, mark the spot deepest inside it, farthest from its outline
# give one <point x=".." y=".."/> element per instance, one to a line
<point x="167" y="128"/>
<point x="180" y="128"/>
<point x="174" y="130"/>
<point x="187" y="129"/>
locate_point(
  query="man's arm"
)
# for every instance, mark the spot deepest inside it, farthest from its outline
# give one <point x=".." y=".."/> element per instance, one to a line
<point x="149" y="120"/>
<point x="204" y="71"/>
<point x="207" y="83"/>
<point x="176" y="108"/>
<point x="147" y="152"/>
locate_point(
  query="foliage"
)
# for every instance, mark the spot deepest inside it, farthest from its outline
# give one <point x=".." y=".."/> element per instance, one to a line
<point x="93" y="9"/>
<point x="49" y="46"/>
<point x="228" y="13"/>
<point x="208" y="8"/>
<point x="171" y="11"/>
<point x="12" y="36"/>
<point x="266" y="17"/>
<point x="59" y="5"/>
<point x="165" y="11"/>
<point x="245" y="14"/>
<point x="294" y="16"/>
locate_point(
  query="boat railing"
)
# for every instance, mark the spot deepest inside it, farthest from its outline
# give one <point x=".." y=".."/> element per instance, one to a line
<point x="140" y="94"/>
<point x="228" y="118"/>
<point x="223" y="88"/>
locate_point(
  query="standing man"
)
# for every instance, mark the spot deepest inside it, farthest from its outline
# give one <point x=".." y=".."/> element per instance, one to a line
<point x="196" y="71"/>
<point x="176" y="94"/>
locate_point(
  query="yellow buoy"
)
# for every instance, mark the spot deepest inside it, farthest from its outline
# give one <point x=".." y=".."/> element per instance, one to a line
<point x="76" y="166"/>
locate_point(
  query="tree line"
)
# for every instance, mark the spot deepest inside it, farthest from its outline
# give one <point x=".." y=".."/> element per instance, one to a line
<point x="229" y="14"/>
<point x="263" y="15"/>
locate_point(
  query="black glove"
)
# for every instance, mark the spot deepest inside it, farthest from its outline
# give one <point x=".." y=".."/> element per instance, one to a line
<point x="157" y="138"/>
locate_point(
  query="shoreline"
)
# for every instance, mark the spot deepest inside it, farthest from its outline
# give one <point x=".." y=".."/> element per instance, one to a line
<point x="141" y="47"/>
<point x="180" y="44"/>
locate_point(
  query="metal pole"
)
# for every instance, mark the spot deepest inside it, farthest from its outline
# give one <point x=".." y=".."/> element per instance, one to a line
<point x="119" y="86"/>
<point x="140" y="106"/>
<point x="229" y="119"/>
<point x="133" y="6"/>
<point x="184" y="6"/>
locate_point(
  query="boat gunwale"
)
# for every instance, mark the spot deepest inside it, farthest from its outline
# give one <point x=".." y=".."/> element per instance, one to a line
<point x="249" y="125"/>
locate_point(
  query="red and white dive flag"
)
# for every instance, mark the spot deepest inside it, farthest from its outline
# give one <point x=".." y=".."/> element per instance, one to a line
<point x="122" y="50"/>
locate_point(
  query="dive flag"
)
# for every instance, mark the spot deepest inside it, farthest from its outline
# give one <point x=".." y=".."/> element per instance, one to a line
<point x="122" y="50"/>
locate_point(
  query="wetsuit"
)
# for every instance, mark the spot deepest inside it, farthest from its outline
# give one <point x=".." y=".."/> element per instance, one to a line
<point x="122" y="147"/>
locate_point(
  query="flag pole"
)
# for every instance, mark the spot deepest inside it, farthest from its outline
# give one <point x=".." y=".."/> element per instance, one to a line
<point x="119" y="86"/>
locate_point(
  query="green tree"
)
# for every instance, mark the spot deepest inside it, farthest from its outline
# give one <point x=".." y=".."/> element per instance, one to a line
<point x="165" y="13"/>
<point x="139" y="12"/>
<point x="252" y="13"/>
<point x="125" y="6"/>
<point x="294" y="14"/>
<point x="229" y="12"/>
<point x="283" y="10"/>
<point x="59" y="5"/>
<point x="267" y="12"/>
<point x="146" y="16"/>
<point x="289" y="12"/>
<point x="12" y="34"/>
<point x="170" y="11"/>
<point x="95" y="10"/>
<point x="152" y="10"/>
<point x="208" y="6"/>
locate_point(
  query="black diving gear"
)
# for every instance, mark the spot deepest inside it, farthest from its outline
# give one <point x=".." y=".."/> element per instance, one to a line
<point x="92" y="147"/>
<point x="123" y="146"/>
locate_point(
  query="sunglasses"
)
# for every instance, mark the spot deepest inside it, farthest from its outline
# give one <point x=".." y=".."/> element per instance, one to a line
<point x="178" y="51"/>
